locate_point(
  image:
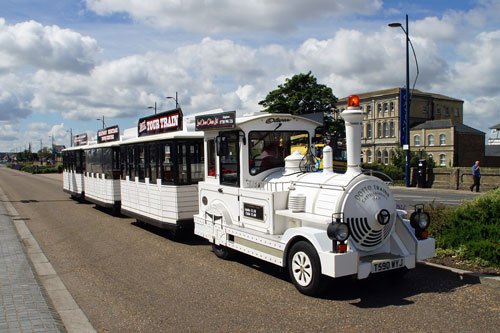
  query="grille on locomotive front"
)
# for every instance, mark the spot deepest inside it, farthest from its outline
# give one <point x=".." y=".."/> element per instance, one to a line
<point x="364" y="236"/>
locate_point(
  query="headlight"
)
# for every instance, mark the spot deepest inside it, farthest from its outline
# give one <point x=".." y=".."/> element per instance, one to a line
<point x="338" y="231"/>
<point x="420" y="220"/>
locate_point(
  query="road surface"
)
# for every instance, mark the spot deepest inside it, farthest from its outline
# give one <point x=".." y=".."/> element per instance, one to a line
<point x="129" y="278"/>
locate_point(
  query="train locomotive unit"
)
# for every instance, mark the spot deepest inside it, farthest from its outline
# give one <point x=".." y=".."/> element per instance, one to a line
<point x="258" y="198"/>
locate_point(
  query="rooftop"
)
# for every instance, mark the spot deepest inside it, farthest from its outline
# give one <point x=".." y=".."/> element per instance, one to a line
<point x="395" y="91"/>
<point x="446" y="123"/>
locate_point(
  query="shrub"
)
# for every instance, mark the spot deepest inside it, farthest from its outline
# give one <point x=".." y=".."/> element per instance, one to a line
<point x="391" y="170"/>
<point x="471" y="230"/>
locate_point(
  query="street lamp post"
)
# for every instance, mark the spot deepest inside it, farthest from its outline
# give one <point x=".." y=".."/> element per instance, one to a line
<point x="406" y="146"/>
<point x="150" y="107"/>
<point x="103" y="125"/>
<point x="174" y="98"/>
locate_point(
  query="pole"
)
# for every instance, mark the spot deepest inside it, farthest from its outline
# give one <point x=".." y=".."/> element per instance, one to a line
<point x="176" y="102"/>
<point x="155" y="107"/>
<point x="407" y="162"/>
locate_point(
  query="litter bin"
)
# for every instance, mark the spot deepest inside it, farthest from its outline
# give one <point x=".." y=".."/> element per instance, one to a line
<point x="422" y="173"/>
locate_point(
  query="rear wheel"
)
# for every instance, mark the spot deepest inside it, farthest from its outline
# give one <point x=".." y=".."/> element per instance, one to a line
<point x="222" y="251"/>
<point x="304" y="268"/>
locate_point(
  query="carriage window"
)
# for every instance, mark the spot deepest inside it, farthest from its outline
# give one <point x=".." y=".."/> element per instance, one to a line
<point x="211" y="154"/>
<point x="269" y="149"/>
<point x="123" y="161"/>
<point x="141" y="163"/>
<point x="196" y="161"/>
<point x="107" y="162"/>
<point x="229" y="173"/>
<point x="153" y="163"/>
<point x="167" y="165"/>
<point x="131" y="162"/>
<point x="182" y="155"/>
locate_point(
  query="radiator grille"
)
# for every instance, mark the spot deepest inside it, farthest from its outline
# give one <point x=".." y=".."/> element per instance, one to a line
<point x="364" y="235"/>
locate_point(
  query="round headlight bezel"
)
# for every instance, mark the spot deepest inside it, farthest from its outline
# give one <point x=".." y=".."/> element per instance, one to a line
<point x="338" y="231"/>
<point x="420" y="220"/>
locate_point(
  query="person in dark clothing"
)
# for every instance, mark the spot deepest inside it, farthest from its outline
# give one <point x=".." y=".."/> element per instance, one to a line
<point x="476" y="174"/>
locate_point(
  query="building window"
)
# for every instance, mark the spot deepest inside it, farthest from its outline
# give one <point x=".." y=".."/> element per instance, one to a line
<point x="368" y="108"/>
<point x="442" y="139"/>
<point x="386" y="157"/>
<point x="430" y="140"/>
<point x="393" y="134"/>
<point x="379" y="107"/>
<point x="424" y="109"/>
<point x="416" y="139"/>
<point x="442" y="160"/>
<point x="379" y="130"/>
<point x="392" y="106"/>
<point x="369" y="156"/>
<point x="438" y="111"/>
<point x="386" y="107"/>
<point x="379" y="156"/>
<point x="447" y="111"/>
<point x="386" y="130"/>
<point x="369" y="131"/>
<point x="457" y="112"/>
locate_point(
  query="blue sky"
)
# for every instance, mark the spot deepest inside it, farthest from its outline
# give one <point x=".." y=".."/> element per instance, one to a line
<point x="63" y="64"/>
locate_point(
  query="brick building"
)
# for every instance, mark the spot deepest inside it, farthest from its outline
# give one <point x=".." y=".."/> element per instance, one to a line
<point x="439" y="116"/>
<point x="449" y="142"/>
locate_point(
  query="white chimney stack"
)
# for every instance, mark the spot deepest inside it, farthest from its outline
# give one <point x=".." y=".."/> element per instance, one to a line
<point x="353" y="117"/>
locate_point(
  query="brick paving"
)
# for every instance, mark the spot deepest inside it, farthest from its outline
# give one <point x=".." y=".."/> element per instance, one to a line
<point x="24" y="305"/>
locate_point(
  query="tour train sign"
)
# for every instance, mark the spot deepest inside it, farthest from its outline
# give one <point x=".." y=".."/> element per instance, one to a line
<point x="80" y="140"/>
<point x="167" y="121"/>
<point x="222" y="120"/>
<point x="109" y="134"/>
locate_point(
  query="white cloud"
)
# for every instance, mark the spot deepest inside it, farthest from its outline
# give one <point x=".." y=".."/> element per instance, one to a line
<point x="48" y="47"/>
<point x="232" y="15"/>
<point x="435" y="29"/>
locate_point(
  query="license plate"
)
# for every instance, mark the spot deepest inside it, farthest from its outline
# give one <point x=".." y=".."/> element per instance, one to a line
<point x="387" y="265"/>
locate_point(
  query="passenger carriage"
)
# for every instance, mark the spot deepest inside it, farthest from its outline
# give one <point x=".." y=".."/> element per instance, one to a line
<point x="102" y="173"/>
<point x="74" y="167"/>
<point x="161" y="165"/>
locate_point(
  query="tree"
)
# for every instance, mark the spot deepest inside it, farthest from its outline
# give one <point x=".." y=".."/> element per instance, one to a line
<point x="399" y="158"/>
<point x="301" y="95"/>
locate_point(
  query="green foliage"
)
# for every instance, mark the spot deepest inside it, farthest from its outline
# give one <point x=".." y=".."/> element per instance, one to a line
<point x="399" y="158"/>
<point x="300" y="95"/>
<point x="472" y="230"/>
<point x="391" y="170"/>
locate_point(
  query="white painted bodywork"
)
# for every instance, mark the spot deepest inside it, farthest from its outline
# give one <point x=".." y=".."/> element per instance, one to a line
<point x="73" y="182"/>
<point x="165" y="204"/>
<point x="99" y="188"/>
<point x="354" y="196"/>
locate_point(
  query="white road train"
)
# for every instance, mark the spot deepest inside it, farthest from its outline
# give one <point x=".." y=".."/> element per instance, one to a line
<point x="316" y="224"/>
<point x="237" y="179"/>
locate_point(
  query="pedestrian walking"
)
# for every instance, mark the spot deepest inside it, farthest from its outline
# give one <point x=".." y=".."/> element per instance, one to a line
<point x="476" y="174"/>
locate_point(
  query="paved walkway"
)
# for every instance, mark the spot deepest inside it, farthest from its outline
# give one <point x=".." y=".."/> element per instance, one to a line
<point x="24" y="305"/>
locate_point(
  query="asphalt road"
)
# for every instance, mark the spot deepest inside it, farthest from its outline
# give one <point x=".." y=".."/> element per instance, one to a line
<point x="128" y="278"/>
<point x="408" y="197"/>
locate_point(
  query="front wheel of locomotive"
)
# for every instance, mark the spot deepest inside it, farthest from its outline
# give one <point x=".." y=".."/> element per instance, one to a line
<point x="304" y="269"/>
<point x="222" y="251"/>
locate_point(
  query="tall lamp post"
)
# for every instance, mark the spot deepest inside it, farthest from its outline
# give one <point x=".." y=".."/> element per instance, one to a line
<point x="174" y="98"/>
<point x="150" y="107"/>
<point x="406" y="145"/>
<point x="103" y="124"/>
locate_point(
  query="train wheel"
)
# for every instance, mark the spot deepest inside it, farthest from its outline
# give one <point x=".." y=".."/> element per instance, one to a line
<point x="222" y="251"/>
<point x="304" y="268"/>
